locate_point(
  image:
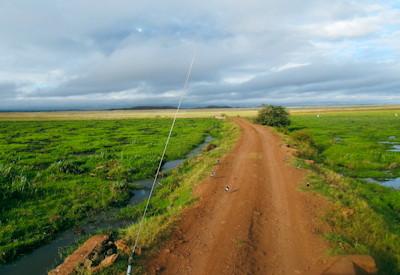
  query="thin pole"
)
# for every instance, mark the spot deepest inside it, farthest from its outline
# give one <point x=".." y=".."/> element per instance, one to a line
<point x="185" y="86"/>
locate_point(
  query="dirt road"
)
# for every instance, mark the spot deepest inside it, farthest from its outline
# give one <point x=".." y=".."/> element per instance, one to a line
<point x="263" y="225"/>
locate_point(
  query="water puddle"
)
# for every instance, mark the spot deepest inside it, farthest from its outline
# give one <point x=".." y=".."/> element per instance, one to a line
<point x="395" y="148"/>
<point x="46" y="257"/>
<point x="393" y="183"/>
<point x="393" y="145"/>
<point x="337" y="140"/>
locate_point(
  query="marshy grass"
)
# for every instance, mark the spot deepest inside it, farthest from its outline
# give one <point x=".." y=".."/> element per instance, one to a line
<point x="55" y="173"/>
<point x="171" y="197"/>
<point x="365" y="217"/>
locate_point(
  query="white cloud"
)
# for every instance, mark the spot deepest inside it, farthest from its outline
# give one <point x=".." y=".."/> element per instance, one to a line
<point x="351" y="28"/>
<point x="374" y="19"/>
<point x="81" y="53"/>
<point x="288" y="66"/>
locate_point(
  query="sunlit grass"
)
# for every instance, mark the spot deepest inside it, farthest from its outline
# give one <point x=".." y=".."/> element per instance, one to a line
<point x="346" y="148"/>
<point x="54" y="173"/>
<point x="173" y="195"/>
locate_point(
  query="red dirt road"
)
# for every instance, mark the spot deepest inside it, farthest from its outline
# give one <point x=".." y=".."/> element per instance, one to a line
<point x="263" y="225"/>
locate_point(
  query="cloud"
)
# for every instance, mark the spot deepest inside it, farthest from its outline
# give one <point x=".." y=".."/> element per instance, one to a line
<point x="289" y="66"/>
<point x="78" y="54"/>
<point x="8" y="90"/>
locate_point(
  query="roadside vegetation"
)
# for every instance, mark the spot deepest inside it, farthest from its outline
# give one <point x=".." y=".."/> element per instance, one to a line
<point x="172" y="195"/>
<point x="274" y="116"/>
<point x="55" y="173"/>
<point x="344" y="151"/>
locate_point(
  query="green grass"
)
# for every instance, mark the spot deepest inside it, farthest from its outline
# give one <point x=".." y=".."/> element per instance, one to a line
<point x="365" y="217"/>
<point x="350" y="142"/>
<point x="173" y="195"/>
<point x="54" y="173"/>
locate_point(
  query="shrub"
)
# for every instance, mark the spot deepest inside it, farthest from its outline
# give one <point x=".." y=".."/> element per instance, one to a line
<point x="303" y="137"/>
<point x="305" y="144"/>
<point x="275" y="116"/>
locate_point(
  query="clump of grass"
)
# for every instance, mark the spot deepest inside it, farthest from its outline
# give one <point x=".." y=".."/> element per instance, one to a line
<point x="154" y="227"/>
<point x="308" y="146"/>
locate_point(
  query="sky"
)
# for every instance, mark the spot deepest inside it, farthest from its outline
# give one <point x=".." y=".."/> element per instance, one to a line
<point x="114" y="54"/>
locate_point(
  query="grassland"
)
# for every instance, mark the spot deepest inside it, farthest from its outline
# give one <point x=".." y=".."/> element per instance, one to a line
<point x="127" y="114"/>
<point x="54" y="173"/>
<point x="184" y="113"/>
<point x="357" y="143"/>
<point x="174" y="194"/>
<point x="347" y="147"/>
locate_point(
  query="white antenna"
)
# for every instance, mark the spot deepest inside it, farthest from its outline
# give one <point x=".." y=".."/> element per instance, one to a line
<point x="185" y="86"/>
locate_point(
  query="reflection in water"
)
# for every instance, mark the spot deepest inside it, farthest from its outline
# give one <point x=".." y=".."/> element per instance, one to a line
<point x="44" y="258"/>
<point x="395" y="148"/>
<point x="393" y="183"/>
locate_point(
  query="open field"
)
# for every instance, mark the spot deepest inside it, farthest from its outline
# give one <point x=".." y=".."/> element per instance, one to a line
<point x="349" y="147"/>
<point x="53" y="173"/>
<point x="125" y="114"/>
<point x="57" y="168"/>
<point x="358" y="144"/>
<point x="184" y="113"/>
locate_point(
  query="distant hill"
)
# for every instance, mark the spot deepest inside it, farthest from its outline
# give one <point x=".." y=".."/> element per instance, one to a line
<point x="167" y="107"/>
<point x="216" y="107"/>
<point x="146" y="108"/>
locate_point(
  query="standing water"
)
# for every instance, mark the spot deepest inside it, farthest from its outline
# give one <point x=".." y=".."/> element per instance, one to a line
<point x="394" y="183"/>
<point x="46" y="257"/>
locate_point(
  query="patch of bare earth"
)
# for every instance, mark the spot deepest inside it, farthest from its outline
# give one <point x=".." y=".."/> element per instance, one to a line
<point x="262" y="225"/>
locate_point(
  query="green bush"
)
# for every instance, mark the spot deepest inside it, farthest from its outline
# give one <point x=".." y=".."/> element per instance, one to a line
<point x="275" y="116"/>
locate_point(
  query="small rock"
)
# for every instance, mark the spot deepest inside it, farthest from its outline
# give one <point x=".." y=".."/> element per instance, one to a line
<point x="80" y="257"/>
<point x="108" y="261"/>
<point x="352" y="264"/>
<point x="110" y="252"/>
<point x="365" y="262"/>
<point x="123" y="247"/>
<point x="210" y="147"/>
<point x="167" y="250"/>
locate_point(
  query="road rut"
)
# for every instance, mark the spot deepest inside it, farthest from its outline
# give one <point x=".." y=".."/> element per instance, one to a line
<point x="263" y="225"/>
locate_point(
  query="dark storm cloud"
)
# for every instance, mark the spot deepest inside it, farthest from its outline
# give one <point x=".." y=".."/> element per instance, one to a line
<point x="78" y="54"/>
